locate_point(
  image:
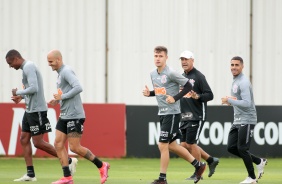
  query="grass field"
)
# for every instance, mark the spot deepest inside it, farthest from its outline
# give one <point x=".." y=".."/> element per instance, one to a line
<point x="134" y="170"/>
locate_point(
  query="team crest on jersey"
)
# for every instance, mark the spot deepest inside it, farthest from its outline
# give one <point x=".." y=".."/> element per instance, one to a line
<point x="192" y="81"/>
<point x="163" y="79"/>
<point x="235" y="88"/>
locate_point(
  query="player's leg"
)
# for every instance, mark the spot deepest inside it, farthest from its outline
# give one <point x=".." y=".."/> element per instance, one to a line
<point x="245" y="134"/>
<point x="40" y="125"/>
<point x="61" y="138"/>
<point x="27" y="151"/>
<point x="183" y="152"/>
<point x="194" y="129"/>
<point x="165" y="121"/>
<point x="232" y="140"/>
<point x="212" y="161"/>
<point x="75" y="131"/>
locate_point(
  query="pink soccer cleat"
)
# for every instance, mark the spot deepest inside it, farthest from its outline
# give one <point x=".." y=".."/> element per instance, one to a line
<point x="104" y="172"/>
<point x="64" y="180"/>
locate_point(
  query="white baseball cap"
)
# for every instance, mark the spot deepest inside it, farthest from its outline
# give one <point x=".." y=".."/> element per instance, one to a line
<point x="187" y="54"/>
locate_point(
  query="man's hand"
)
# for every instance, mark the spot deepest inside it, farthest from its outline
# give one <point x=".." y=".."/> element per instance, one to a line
<point x="14" y="91"/>
<point x="194" y="95"/>
<point x="57" y="96"/>
<point x="146" y="91"/>
<point x="169" y="99"/>
<point x="53" y="102"/>
<point x="224" y="100"/>
<point x="16" y="99"/>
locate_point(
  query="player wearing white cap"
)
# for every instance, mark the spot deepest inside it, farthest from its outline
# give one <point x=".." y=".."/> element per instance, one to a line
<point x="194" y="110"/>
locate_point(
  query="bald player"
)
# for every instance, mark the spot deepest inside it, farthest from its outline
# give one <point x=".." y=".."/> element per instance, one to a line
<point x="70" y="124"/>
<point x="35" y="122"/>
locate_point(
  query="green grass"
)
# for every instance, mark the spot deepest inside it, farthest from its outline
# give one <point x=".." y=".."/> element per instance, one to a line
<point x="135" y="170"/>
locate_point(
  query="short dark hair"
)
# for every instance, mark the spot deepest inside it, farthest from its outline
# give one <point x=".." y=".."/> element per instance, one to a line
<point x="159" y="49"/>
<point x="13" y="53"/>
<point x="238" y="58"/>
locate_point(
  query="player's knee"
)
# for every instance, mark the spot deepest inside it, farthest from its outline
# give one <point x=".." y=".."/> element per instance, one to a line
<point x="74" y="148"/>
<point x="183" y="144"/>
<point x="24" y="140"/>
<point x="58" y="145"/>
<point x="231" y="149"/>
<point x="242" y="149"/>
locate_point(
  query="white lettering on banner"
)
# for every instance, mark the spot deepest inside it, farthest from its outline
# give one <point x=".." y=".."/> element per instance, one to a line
<point x="2" y="150"/>
<point x="280" y="133"/>
<point x="259" y="140"/>
<point x="154" y="132"/>
<point x="218" y="133"/>
<point x="204" y="140"/>
<point x="17" y="121"/>
<point x="227" y="126"/>
<point x="51" y="114"/>
<point x="271" y="127"/>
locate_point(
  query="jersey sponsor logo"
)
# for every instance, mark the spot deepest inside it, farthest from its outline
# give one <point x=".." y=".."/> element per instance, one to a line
<point x="34" y="128"/>
<point x="186" y="116"/>
<point x="70" y="124"/>
<point x="164" y="79"/>
<point x="163" y="109"/>
<point x="164" y="134"/>
<point x="160" y="91"/>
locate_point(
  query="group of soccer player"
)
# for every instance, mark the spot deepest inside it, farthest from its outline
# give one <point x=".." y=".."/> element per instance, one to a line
<point x="35" y="121"/>
<point x="183" y="98"/>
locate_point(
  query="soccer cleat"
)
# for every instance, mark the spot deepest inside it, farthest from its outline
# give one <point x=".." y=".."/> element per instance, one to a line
<point x="72" y="166"/>
<point x="64" y="180"/>
<point x="193" y="177"/>
<point x="26" y="178"/>
<point x="261" y="166"/>
<point x="159" y="182"/>
<point x="199" y="171"/>
<point x="212" y="166"/>
<point x="104" y="172"/>
<point x="249" y="180"/>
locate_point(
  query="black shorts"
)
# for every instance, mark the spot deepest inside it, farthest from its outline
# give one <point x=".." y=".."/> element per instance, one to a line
<point x="191" y="131"/>
<point x="70" y="125"/>
<point x="36" y="123"/>
<point x="169" y="128"/>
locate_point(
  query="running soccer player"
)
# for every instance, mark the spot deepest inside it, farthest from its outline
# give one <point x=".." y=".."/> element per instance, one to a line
<point x="35" y="122"/>
<point x="245" y="119"/>
<point x="194" y="110"/>
<point x="166" y="84"/>
<point x="70" y="124"/>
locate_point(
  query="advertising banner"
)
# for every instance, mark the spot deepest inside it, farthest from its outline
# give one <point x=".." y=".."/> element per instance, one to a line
<point x="104" y="129"/>
<point x="143" y="130"/>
